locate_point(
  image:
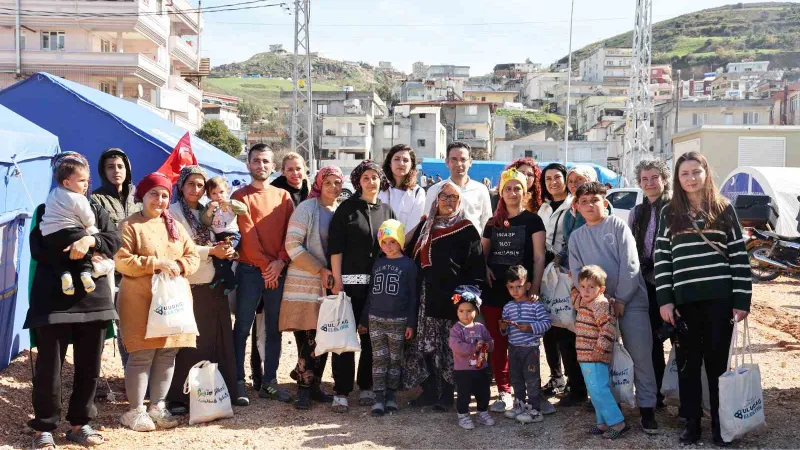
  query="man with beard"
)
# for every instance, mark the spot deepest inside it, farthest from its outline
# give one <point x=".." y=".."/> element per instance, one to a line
<point x="260" y="274"/>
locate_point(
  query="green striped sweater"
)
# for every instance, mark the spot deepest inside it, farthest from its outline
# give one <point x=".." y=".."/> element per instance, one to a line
<point x="687" y="269"/>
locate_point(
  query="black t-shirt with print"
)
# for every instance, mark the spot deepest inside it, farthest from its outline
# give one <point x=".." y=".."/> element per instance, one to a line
<point x="512" y="245"/>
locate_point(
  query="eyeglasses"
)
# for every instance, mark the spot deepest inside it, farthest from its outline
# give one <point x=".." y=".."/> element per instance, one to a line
<point x="448" y="197"/>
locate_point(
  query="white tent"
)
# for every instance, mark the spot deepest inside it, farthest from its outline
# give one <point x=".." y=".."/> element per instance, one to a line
<point x="780" y="183"/>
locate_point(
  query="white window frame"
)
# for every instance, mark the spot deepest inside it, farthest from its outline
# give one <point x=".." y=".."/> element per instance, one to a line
<point x="322" y="108"/>
<point x="58" y="35"/>
<point x="750" y="118"/>
<point x="461" y="133"/>
<point x="699" y="119"/>
<point x="471" y="110"/>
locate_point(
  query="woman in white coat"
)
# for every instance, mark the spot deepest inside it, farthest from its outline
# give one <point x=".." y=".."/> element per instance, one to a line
<point x="404" y="196"/>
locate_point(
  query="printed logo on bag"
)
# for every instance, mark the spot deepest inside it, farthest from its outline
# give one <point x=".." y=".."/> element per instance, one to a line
<point x="754" y="406"/>
<point x="169" y="309"/>
<point x="620" y="377"/>
<point x="208" y="396"/>
<point x="333" y="327"/>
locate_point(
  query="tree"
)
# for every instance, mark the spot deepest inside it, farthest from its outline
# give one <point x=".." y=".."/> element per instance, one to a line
<point x="217" y="134"/>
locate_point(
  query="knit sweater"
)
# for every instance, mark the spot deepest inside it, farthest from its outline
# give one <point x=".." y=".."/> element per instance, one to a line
<point x="689" y="270"/>
<point x="264" y="229"/>
<point x="303" y="287"/>
<point x="595" y="330"/>
<point x="527" y="313"/>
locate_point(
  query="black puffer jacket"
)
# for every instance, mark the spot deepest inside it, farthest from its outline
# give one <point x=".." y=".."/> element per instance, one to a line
<point x="298" y="195"/>
<point x="118" y="205"/>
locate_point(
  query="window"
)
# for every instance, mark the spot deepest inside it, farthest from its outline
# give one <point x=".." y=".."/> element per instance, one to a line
<point x="348" y="129"/>
<point x="465" y="134"/>
<point x="529" y="154"/>
<point x="623" y="200"/>
<point x="750" y="118"/>
<point x="699" y="120"/>
<point x="52" y="40"/>
<point x="108" y="87"/>
<point x="322" y="108"/>
<point x="420" y="142"/>
<point x="159" y="6"/>
<point x="793" y="106"/>
<point x="483" y="99"/>
<point x="472" y="110"/>
<point x="107" y="46"/>
<point x="422" y="116"/>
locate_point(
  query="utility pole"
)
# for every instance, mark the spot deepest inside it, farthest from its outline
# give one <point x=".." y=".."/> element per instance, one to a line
<point x="640" y="103"/>
<point x="302" y="115"/>
<point x="569" y="86"/>
<point x="199" y="32"/>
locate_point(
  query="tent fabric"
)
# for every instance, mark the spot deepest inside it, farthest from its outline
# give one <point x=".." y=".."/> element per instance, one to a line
<point x="780" y="183"/>
<point x="25" y="154"/>
<point x="89" y="121"/>
<point x="493" y="169"/>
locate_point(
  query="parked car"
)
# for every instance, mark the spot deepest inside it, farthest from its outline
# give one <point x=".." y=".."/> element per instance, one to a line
<point x="623" y="200"/>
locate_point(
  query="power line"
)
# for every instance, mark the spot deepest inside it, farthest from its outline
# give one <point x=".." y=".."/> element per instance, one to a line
<point x="211" y="9"/>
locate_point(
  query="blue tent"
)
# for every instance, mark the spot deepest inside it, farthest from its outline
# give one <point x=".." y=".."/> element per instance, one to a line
<point x="25" y="153"/>
<point x="89" y="121"/>
<point x="492" y="170"/>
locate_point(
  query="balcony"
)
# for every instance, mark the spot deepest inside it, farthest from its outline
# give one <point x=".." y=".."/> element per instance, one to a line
<point x="179" y="84"/>
<point x="182" y="52"/>
<point x="344" y="142"/>
<point x="101" y="15"/>
<point x="187" y="15"/>
<point x="145" y="104"/>
<point x="475" y="143"/>
<point x="94" y="63"/>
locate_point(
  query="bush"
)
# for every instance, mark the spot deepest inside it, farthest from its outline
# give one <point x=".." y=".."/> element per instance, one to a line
<point x="217" y="134"/>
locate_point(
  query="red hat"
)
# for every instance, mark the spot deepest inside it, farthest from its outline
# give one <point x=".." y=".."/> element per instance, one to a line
<point x="155" y="179"/>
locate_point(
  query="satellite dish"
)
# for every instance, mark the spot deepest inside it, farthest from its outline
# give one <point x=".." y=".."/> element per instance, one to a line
<point x="139" y="91"/>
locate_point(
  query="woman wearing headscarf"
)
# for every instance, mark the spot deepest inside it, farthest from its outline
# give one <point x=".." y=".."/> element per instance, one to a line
<point x="307" y="279"/>
<point x="353" y="248"/>
<point x="211" y="311"/>
<point x="152" y="242"/>
<point x="53" y="317"/>
<point x="447" y="250"/>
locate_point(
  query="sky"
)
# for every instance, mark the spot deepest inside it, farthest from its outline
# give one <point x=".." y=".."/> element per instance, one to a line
<point x="475" y="33"/>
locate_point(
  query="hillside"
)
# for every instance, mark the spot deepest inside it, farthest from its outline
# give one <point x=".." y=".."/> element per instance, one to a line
<point x="327" y="75"/>
<point x="703" y="40"/>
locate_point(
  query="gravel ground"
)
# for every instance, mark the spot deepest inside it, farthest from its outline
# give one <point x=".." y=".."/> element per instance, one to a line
<point x="269" y="424"/>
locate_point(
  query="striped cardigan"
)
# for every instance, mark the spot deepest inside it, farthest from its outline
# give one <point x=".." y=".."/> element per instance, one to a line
<point x="595" y="330"/>
<point x="689" y="270"/>
<point x="303" y="288"/>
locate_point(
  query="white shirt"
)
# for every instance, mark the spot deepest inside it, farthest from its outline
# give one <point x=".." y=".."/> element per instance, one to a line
<point x="407" y="205"/>
<point x="474" y="198"/>
<point x="553" y="221"/>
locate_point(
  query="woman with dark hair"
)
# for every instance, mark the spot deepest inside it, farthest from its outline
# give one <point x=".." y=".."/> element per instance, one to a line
<point x="447" y="249"/>
<point x="702" y="275"/>
<point x="403" y="195"/>
<point x="513" y="236"/>
<point x="532" y="172"/>
<point x="353" y="248"/>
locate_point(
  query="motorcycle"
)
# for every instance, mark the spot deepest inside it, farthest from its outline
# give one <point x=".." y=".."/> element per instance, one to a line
<point x="772" y="255"/>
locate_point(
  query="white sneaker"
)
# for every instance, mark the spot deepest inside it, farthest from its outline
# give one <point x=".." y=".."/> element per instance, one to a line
<point x="162" y="417"/>
<point x="465" y="422"/>
<point x="484" y="418"/>
<point x="504" y="403"/>
<point x="530" y="415"/>
<point x="137" y="420"/>
<point x="518" y="409"/>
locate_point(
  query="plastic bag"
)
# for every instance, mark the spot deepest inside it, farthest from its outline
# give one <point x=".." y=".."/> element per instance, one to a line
<point x="670" y="387"/>
<point x="336" y="326"/>
<point x="209" y="398"/>
<point x="621" y="374"/>
<point x="171" y="310"/>
<point x="741" y="402"/>
<point x="555" y="297"/>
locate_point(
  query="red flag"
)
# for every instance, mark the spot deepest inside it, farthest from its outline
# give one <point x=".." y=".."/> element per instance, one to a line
<point x="180" y="157"/>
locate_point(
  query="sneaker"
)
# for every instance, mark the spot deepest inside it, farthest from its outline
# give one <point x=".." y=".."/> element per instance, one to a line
<point x="378" y="409"/>
<point x="67" y="287"/>
<point x="484" y="418"/>
<point x="504" y="403"/>
<point x="162" y="417"/>
<point x="530" y="415"/>
<point x="518" y="409"/>
<point x="546" y="408"/>
<point x="303" y="401"/>
<point x="88" y="283"/>
<point x="648" y="421"/>
<point x="320" y="396"/>
<point x="366" y="398"/>
<point x="391" y="402"/>
<point x="554" y="387"/>
<point x="465" y="422"/>
<point x="137" y="420"/>
<point x="241" y="398"/>
<point x="274" y="392"/>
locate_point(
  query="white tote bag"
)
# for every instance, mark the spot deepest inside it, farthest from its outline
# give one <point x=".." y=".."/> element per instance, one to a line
<point x="336" y="326"/>
<point x="670" y="387"/>
<point x="209" y="398"/>
<point x="555" y="297"/>
<point x="621" y="373"/>
<point x="171" y="310"/>
<point x="741" y="402"/>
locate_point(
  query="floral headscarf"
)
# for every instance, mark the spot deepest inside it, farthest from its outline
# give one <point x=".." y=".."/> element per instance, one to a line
<point x="201" y="234"/>
<point x="157" y="179"/>
<point x="325" y="172"/>
<point x="435" y="221"/>
<point x="367" y="164"/>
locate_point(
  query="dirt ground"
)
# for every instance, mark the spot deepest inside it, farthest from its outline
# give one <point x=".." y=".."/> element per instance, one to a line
<point x="775" y="325"/>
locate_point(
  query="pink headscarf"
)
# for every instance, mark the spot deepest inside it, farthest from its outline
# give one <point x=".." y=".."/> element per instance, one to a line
<point x="316" y="189"/>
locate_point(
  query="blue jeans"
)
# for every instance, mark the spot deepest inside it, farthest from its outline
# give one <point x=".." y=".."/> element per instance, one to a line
<point x="249" y="293"/>
<point x="597" y="383"/>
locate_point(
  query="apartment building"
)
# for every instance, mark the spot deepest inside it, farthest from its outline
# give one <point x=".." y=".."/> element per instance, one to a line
<point x="139" y="50"/>
<point x="224" y="108"/>
<point x="445" y="71"/>
<point x="597" y="113"/>
<point x="490" y="95"/>
<point x="747" y="66"/>
<point x="607" y="64"/>
<point x="661" y="83"/>
<point x="515" y="70"/>
<point x="419" y="70"/>
<point x="419" y="127"/>
<point x="539" y="88"/>
<point x="467" y="121"/>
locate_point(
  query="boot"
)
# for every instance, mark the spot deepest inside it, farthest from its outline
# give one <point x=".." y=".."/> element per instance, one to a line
<point x="691" y="432"/>
<point x="303" y="400"/>
<point x="428" y="396"/>
<point x="648" y="420"/>
<point x="446" y="398"/>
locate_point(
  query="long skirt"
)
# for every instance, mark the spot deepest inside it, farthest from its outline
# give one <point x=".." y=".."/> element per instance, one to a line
<point x="215" y="342"/>
<point x="429" y="352"/>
